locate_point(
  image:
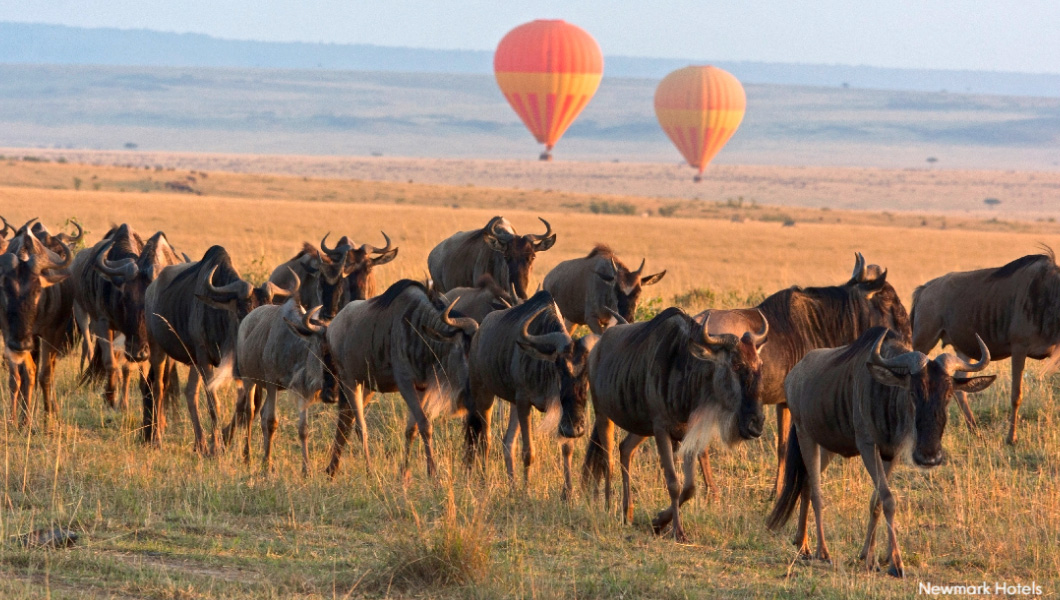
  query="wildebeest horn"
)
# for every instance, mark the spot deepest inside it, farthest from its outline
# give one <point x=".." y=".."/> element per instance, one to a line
<point x="373" y="250"/>
<point x="722" y="339"/>
<point x="640" y="268"/>
<point x="466" y="324"/>
<point x="272" y="290"/>
<point x="68" y="258"/>
<point x="556" y="339"/>
<point x="324" y="245"/>
<point x="859" y="267"/>
<point x="27" y="225"/>
<point x="908" y="363"/>
<point x="759" y="338"/>
<point x="310" y="321"/>
<point x="618" y="318"/>
<point x="72" y="239"/>
<point x="235" y="289"/>
<point x="548" y="231"/>
<point x="953" y="364"/>
<point x="125" y="267"/>
<point x="3" y="232"/>
<point x="500" y="234"/>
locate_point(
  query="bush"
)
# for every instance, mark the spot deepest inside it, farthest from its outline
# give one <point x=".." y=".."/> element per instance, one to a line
<point x="608" y="208"/>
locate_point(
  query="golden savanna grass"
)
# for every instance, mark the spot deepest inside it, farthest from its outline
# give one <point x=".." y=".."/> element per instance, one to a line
<point x="166" y="523"/>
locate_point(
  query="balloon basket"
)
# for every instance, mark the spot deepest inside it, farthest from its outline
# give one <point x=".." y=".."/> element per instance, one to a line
<point x="697" y="179"/>
<point x="546" y="156"/>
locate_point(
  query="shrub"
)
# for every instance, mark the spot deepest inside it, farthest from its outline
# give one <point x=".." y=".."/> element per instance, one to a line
<point x="608" y="208"/>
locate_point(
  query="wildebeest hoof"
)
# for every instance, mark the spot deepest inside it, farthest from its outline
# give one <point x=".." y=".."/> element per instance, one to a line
<point x="680" y="537"/>
<point x="896" y="572"/>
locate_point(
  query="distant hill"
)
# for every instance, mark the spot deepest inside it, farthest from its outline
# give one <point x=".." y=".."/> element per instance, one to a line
<point x="22" y="43"/>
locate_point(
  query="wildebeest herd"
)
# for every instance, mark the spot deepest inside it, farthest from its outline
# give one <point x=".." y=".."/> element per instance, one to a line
<point x="845" y="366"/>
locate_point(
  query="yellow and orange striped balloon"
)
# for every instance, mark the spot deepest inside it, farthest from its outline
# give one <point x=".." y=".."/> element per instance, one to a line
<point x="700" y="108"/>
<point x="548" y="70"/>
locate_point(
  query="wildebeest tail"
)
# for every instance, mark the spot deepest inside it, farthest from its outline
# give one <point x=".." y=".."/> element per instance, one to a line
<point x="474" y="433"/>
<point x="795" y="479"/>
<point x="94" y="372"/>
<point x="596" y="458"/>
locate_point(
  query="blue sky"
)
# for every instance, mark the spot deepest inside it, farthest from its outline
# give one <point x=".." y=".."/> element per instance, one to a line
<point x="949" y="34"/>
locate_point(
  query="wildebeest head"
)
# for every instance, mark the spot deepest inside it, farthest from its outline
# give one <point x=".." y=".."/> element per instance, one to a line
<point x="320" y="364"/>
<point x="359" y="262"/>
<point x="518" y="251"/>
<point x="570" y="358"/>
<point x="25" y="271"/>
<point x="929" y="385"/>
<point x="456" y="330"/>
<point x="627" y="285"/>
<point x="737" y="378"/>
<point x="886" y="308"/>
<point x="130" y="273"/>
<point x="7" y="232"/>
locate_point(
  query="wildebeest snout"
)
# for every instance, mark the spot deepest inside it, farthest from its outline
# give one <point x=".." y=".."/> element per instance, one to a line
<point x="751" y="424"/>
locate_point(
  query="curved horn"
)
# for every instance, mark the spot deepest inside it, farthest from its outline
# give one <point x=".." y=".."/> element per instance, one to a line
<point x="3" y="232"/>
<point x="548" y="231"/>
<point x="556" y="339"/>
<point x="27" y="225"/>
<point x="333" y="252"/>
<point x="640" y="268"/>
<point x="236" y="289"/>
<point x="722" y="339"/>
<point x="125" y="267"/>
<point x="272" y="290"/>
<point x="466" y="324"/>
<point x="618" y="318"/>
<point x="909" y="362"/>
<point x="859" y="267"/>
<point x="68" y="258"/>
<point x="500" y="234"/>
<point x="760" y="338"/>
<point x="373" y="250"/>
<point x="310" y="321"/>
<point x="953" y="364"/>
<point x="73" y="239"/>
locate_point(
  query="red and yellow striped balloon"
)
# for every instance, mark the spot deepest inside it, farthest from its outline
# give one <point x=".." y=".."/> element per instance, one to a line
<point x="548" y="71"/>
<point x="700" y="108"/>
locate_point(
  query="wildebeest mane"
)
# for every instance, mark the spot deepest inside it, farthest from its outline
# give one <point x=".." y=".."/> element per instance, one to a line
<point x="647" y="330"/>
<point x="1023" y="262"/>
<point x="865" y="342"/>
<point x="387" y="298"/>
<point x="513" y="317"/>
<point x="216" y="255"/>
<point x="310" y="250"/>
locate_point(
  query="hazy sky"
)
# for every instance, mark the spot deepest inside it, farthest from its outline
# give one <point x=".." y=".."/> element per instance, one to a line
<point x="949" y="34"/>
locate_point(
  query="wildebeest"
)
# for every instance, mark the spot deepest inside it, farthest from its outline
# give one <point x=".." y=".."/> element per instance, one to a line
<point x="36" y="313"/>
<point x="462" y="258"/>
<point x="587" y="289"/>
<point x="285" y="348"/>
<point x="193" y="310"/>
<point x="479" y="301"/>
<point x="1015" y="308"/>
<point x="331" y="277"/>
<point x="876" y="398"/>
<point x="110" y="280"/>
<point x="670" y="379"/>
<point x="525" y="356"/>
<point x="405" y="340"/>
<point x="803" y="319"/>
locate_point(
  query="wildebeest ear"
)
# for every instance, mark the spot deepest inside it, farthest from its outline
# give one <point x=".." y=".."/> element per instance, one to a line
<point x="652" y="279"/>
<point x="495" y="244"/>
<point x="384" y="258"/>
<point x="53" y="277"/>
<point x="545" y="244"/>
<point x="872" y="286"/>
<point x="434" y="334"/>
<point x="887" y="376"/>
<point x="297" y="328"/>
<point x="230" y="305"/>
<point x="699" y="351"/>
<point x="608" y="277"/>
<point x="534" y="352"/>
<point x="973" y="384"/>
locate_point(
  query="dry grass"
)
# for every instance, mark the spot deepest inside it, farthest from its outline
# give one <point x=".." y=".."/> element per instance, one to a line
<point x="165" y="523"/>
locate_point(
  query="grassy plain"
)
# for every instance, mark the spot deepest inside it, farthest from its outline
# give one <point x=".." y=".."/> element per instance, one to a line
<point x="166" y="523"/>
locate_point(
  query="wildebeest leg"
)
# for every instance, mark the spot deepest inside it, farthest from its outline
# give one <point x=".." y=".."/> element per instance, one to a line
<point x="360" y="400"/>
<point x="708" y="474"/>
<point x="811" y="456"/>
<point x="153" y="391"/>
<point x="342" y="431"/>
<point x="783" y="425"/>
<point x="414" y="402"/>
<point x="191" y="397"/>
<point x="477" y="427"/>
<point x="126" y="379"/>
<point x="242" y="416"/>
<point x="46" y="377"/>
<point x="688" y="468"/>
<point x="522" y="407"/>
<point x="598" y="460"/>
<point x="868" y="550"/>
<point x="626" y="448"/>
<point x="410" y="436"/>
<point x="962" y="400"/>
<point x="105" y="340"/>
<point x="801" y="539"/>
<point x="1019" y="359"/>
<point x="666" y="460"/>
<point x="870" y="455"/>
<point x="509" y="442"/>
<point x="268" y="426"/>
<point x="567" y="448"/>
<point x="303" y="432"/>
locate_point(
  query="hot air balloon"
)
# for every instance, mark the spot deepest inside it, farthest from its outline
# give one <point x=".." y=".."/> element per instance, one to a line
<point x="699" y="108"/>
<point x="548" y="71"/>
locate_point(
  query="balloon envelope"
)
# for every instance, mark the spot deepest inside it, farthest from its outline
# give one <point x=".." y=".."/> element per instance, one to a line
<point x="700" y="108"/>
<point x="548" y="71"/>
